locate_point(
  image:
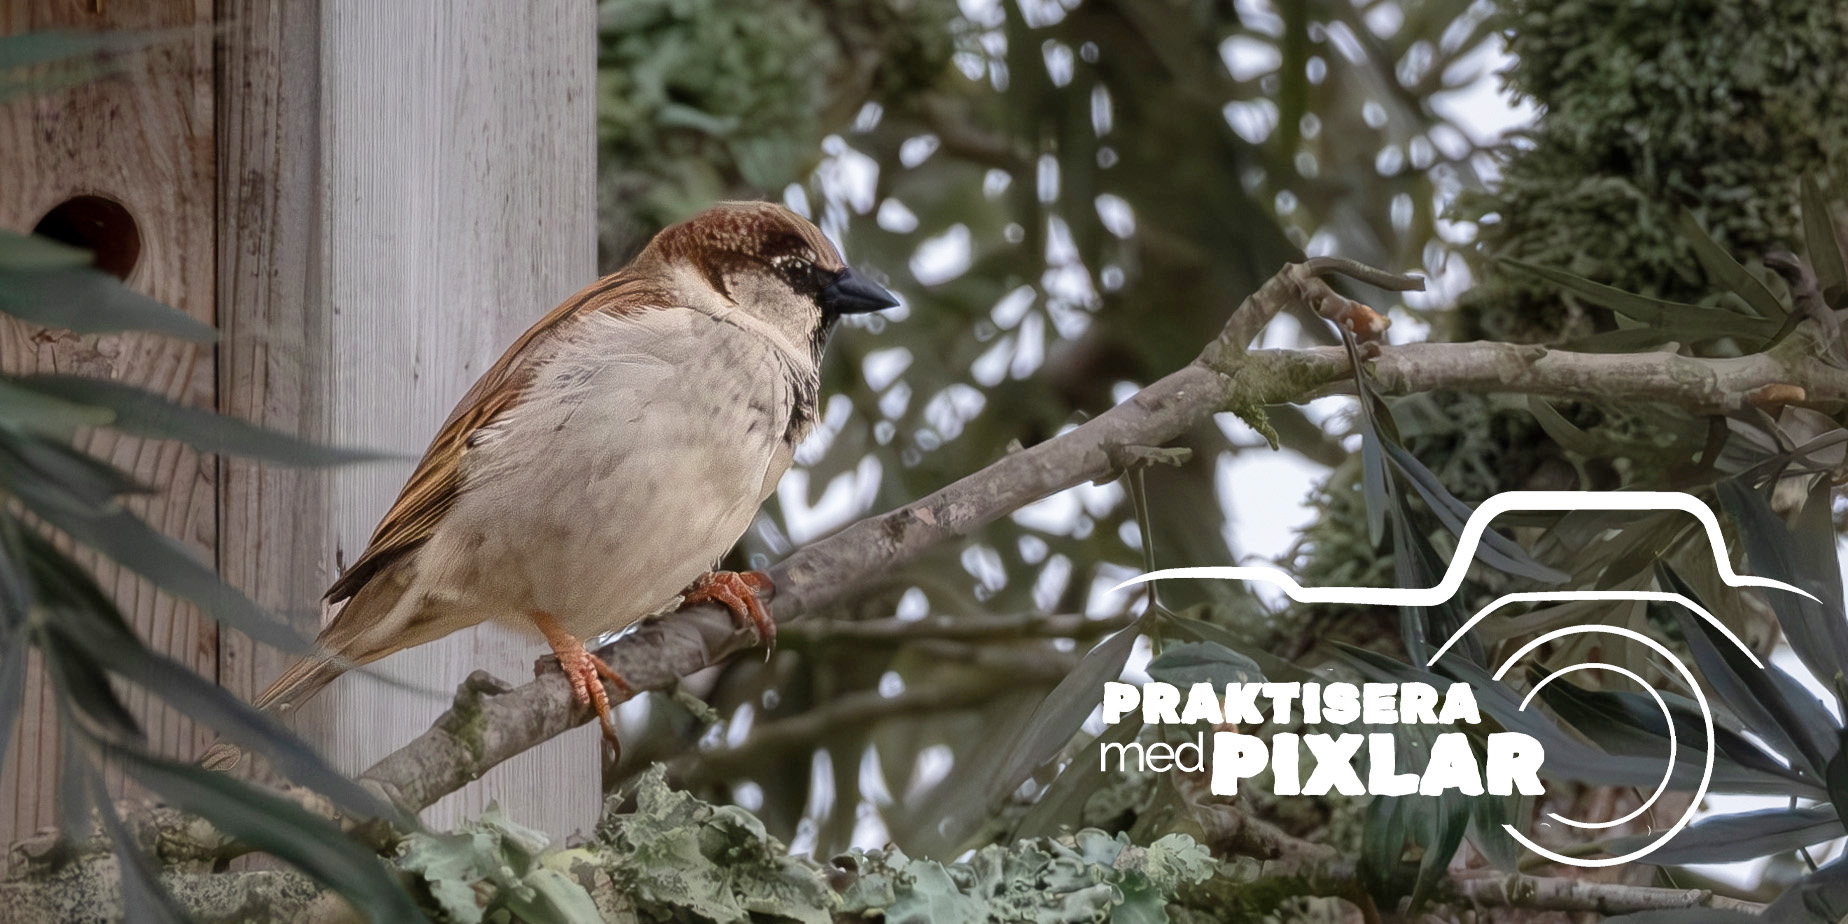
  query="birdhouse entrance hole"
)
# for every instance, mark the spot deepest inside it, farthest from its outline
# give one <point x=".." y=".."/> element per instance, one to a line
<point x="101" y="226"/>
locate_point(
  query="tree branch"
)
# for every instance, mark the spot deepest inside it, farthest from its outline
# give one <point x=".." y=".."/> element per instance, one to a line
<point x="492" y="723"/>
<point x="1341" y="879"/>
<point x="1514" y="890"/>
<point x="1321" y="870"/>
<point x="772" y="741"/>
<point x="964" y="628"/>
<point x="1787" y="374"/>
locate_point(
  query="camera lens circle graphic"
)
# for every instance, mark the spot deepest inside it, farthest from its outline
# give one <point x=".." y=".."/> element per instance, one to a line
<point x="1706" y="715"/>
<point x="1668" y="771"/>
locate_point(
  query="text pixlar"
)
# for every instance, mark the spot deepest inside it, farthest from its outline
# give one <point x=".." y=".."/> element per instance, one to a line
<point x="1510" y="762"/>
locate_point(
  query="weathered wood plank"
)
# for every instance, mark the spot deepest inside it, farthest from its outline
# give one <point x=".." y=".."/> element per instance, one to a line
<point x="273" y="358"/>
<point x="457" y="195"/>
<point x="144" y="139"/>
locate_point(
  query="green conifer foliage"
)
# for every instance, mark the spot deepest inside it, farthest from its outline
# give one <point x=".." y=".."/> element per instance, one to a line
<point x="1650" y="106"/>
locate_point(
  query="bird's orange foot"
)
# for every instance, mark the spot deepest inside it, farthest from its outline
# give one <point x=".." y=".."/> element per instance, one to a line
<point x="587" y="672"/>
<point x="737" y="591"/>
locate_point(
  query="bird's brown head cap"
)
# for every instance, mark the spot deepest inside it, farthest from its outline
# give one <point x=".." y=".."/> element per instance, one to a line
<point x="734" y="239"/>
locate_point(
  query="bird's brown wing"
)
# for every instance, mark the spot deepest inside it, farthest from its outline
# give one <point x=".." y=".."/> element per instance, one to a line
<point x="433" y="487"/>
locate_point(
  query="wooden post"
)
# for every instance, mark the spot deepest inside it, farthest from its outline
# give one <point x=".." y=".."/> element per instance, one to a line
<point x="457" y="198"/>
<point x="274" y="362"/>
<point x="399" y="189"/>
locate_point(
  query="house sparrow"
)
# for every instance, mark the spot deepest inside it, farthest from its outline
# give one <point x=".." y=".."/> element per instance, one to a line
<point x="610" y="458"/>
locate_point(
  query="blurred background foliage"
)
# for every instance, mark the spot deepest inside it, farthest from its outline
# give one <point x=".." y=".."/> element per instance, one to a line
<point x="1071" y="197"/>
<point x="1071" y="200"/>
<point x="1651" y="109"/>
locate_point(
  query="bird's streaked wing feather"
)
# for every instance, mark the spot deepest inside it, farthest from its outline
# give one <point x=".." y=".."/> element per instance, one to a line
<point x="434" y="484"/>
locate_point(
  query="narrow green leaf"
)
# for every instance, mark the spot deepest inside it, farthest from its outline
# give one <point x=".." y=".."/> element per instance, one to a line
<point x="1497" y="551"/>
<point x="144" y="899"/>
<point x="73" y="795"/>
<point x="171" y="566"/>
<point x="1562" y="431"/>
<point x="1770" y="702"/>
<point x="1727" y="273"/>
<point x="1633" y="340"/>
<point x="13" y="649"/>
<point x="1735" y="749"/>
<point x="1603" y="721"/>
<point x="29" y="252"/>
<point x="52" y="59"/>
<point x="277" y="826"/>
<point x="1821" y="897"/>
<point x="1382" y="849"/>
<point x="1835" y="775"/>
<point x="15" y="589"/>
<point x="1627" y="723"/>
<point x="1440" y="832"/>
<point x="1567" y="757"/>
<point x="1203" y="662"/>
<point x="209" y="704"/>
<point x="144" y="413"/>
<point x="49" y="472"/>
<point x="1811" y="458"/>
<point x="90" y="301"/>
<point x="1740" y="836"/>
<point x="1065" y="709"/>
<point x="1680" y="320"/>
<point x="1818" y="632"/>
<point x="90" y="621"/>
<point x="1269" y="665"/>
<point x="39" y="413"/>
<point x="75" y="493"/>
<point x="1812" y="536"/>
<point x="1375" y="480"/>
<point x="1487" y="815"/>
<point x="52" y="46"/>
<point x="1061" y="807"/>
<point x="1416" y="563"/>
<point x="1822" y="248"/>
<point x="83" y="686"/>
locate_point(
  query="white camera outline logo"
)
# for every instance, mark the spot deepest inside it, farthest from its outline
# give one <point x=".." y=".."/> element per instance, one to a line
<point x="1453" y="579"/>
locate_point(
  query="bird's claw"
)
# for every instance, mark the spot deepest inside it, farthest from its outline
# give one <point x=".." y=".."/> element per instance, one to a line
<point x="587" y="672"/>
<point x="738" y="591"/>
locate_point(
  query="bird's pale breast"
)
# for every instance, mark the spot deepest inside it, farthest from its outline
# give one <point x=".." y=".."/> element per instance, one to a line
<point x="638" y="457"/>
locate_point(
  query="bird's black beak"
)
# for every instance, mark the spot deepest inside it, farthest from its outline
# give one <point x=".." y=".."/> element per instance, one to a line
<point x="854" y="294"/>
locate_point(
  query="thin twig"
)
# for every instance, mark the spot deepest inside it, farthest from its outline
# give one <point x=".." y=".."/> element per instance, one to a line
<point x="1514" y="890"/>
<point x="773" y="741"/>
<point x="1321" y="870"/>
<point x="964" y="628"/>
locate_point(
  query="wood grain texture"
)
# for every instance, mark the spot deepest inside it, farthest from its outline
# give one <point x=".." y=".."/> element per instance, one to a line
<point x="457" y="199"/>
<point x="273" y="359"/>
<point x="143" y="138"/>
